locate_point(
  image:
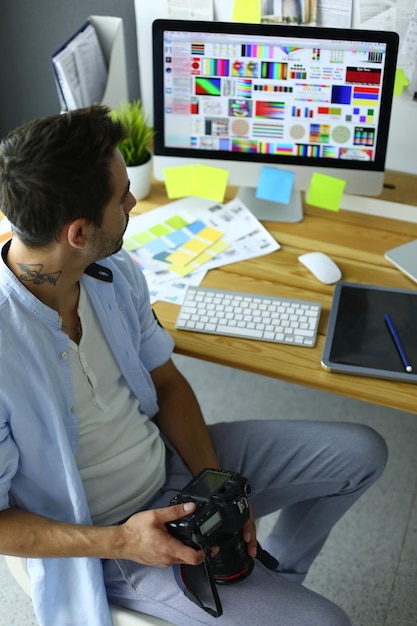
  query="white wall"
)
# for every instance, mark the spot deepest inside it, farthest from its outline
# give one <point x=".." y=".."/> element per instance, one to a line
<point x="402" y="145"/>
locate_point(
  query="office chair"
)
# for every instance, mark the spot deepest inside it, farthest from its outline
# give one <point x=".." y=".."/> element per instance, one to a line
<point x="120" y="615"/>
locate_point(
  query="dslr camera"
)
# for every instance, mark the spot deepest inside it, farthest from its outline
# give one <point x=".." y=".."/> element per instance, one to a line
<point x="222" y="509"/>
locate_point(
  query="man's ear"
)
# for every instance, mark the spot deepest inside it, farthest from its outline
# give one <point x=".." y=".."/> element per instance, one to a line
<point x="76" y="232"/>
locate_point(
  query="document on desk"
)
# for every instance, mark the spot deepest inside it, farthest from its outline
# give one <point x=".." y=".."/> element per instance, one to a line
<point x="176" y="244"/>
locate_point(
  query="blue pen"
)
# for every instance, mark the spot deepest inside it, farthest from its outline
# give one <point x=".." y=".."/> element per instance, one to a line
<point x="398" y="344"/>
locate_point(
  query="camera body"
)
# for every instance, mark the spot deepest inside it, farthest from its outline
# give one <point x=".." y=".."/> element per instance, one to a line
<point x="222" y="509"/>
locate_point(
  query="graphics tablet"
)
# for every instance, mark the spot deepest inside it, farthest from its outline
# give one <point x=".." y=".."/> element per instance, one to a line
<point x="358" y="340"/>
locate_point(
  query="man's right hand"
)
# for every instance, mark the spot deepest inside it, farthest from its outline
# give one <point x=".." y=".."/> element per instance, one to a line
<point x="147" y="540"/>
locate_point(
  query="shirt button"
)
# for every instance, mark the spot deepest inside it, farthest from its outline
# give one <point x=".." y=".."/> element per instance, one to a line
<point x="73" y="409"/>
<point x="64" y="355"/>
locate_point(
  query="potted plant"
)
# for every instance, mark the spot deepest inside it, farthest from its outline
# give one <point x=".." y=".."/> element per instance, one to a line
<point x="136" y="148"/>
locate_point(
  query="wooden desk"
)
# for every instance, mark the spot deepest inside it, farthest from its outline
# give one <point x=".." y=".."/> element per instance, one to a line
<point x="357" y="243"/>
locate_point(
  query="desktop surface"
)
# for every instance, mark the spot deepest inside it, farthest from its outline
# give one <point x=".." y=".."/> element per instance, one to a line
<point x="357" y="242"/>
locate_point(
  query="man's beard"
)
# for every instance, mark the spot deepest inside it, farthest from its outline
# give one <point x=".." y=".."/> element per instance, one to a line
<point x="104" y="245"/>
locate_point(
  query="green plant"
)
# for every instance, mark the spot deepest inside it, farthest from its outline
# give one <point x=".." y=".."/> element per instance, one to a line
<point x="135" y="148"/>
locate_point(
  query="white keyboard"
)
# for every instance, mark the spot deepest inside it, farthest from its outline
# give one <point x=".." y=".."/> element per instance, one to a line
<point x="250" y="316"/>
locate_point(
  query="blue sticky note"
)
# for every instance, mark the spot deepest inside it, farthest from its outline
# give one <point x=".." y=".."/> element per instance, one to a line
<point x="156" y="246"/>
<point x="196" y="226"/>
<point x="178" y="237"/>
<point x="275" y="184"/>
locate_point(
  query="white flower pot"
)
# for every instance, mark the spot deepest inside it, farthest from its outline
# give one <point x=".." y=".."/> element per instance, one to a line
<point x="140" y="179"/>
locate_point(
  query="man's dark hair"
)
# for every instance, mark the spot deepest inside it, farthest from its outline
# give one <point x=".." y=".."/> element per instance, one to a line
<point x="57" y="169"/>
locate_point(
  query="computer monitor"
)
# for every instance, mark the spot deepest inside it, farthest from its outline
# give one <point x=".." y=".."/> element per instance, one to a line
<point x="300" y="98"/>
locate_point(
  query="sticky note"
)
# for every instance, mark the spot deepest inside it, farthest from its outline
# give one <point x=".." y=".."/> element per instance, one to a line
<point x="178" y="237"/>
<point x="400" y="82"/>
<point x="195" y="245"/>
<point x="247" y="11"/>
<point x="182" y="270"/>
<point x="128" y="244"/>
<point x="210" y="182"/>
<point x="210" y="234"/>
<point x="179" y="181"/>
<point x="143" y="238"/>
<point x="159" y="230"/>
<point x="203" y="181"/>
<point x="326" y="191"/>
<point x="275" y="184"/>
<point x="180" y="258"/>
<point x="177" y="221"/>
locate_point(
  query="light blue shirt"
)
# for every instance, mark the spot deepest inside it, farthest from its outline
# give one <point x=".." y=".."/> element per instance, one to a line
<point x="39" y="425"/>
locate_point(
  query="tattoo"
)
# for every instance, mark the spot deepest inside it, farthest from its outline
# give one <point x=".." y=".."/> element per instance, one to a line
<point x="33" y="274"/>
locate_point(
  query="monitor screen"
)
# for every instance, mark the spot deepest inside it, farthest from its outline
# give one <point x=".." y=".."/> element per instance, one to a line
<point x="241" y="96"/>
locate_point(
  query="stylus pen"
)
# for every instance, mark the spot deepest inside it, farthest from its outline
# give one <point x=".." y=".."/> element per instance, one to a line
<point x="398" y="344"/>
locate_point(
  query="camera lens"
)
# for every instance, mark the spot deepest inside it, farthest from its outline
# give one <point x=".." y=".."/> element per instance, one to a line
<point x="232" y="563"/>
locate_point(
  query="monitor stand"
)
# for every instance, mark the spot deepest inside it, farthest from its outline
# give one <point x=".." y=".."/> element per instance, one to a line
<point x="268" y="210"/>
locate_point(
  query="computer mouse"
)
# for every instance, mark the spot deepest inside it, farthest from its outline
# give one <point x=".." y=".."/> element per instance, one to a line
<point x="321" y="266"/>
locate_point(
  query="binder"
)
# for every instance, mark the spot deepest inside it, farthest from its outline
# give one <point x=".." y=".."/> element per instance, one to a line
<point x="90" y="67"/>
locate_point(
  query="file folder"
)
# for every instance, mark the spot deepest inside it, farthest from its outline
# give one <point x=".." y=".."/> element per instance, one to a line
<point x="90" y="67"/>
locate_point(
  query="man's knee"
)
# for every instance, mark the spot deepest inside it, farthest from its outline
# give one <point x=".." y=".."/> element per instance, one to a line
<point x="323" y="612"/>
<point x="371" y="449"/>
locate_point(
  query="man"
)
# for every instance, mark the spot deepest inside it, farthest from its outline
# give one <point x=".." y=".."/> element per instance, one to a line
<point x="98" y="429"/>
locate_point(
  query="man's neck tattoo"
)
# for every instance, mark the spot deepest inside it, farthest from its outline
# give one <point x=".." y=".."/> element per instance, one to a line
<point x="33" y="273"/>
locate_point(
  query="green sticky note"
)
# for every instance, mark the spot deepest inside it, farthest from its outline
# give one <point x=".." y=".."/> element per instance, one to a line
<point x="176" y="222"/>
<point x="142" y="238"/>
<point x="401" y="81"/>
<point x="326" y="191"/>
<point x="247" y="11"/>
<point x="160" y="230"/>
<point x="210" y="182"/>
<point x="179" y="181"/>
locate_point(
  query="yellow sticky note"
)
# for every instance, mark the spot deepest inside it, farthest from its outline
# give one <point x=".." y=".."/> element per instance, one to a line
<point x="401" y="81"/>
<point x="326" y="191"/>
<point x="195" y="245"/>
<point x="180" y="258"/>
<point x="182" y="270"/>
<point x="179" y="181"/>
<point x="218" y="247"/>
<point x="247" y="11"/>
<point x="210" y="182"/>
<point x="203" y="181"/>
<point x="203" y="258"/>
<point x="210" y="234"/>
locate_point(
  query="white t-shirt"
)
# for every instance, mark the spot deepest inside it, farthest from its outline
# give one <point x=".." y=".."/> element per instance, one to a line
<point x="121" y="456"/>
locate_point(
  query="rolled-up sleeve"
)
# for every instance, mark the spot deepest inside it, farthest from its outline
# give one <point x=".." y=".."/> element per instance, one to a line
<point x="9" y="459"/>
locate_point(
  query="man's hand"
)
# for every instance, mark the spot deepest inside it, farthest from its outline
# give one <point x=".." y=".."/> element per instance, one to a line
<point x="249" y="534"/>
<point x="147" y="540"/>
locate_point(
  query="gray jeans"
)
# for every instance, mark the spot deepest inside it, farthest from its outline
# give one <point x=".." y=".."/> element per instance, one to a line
<point x="312" y="472"/>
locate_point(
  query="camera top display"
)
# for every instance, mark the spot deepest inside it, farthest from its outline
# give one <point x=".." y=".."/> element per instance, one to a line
<point x="222" y="508"/>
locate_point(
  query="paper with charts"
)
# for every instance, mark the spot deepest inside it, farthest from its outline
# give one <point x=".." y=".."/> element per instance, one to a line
<point x="176" y="244"/>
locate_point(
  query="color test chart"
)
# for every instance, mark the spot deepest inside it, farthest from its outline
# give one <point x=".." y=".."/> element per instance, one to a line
<point x="180" y="244"/>
<point x="307" y="98"/>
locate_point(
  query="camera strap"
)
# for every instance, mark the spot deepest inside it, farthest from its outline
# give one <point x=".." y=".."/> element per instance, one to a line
<point x="192" y="580"/>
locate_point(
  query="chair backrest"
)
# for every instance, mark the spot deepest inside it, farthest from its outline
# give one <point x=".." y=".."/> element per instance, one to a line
<point x="120" y="615"/>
